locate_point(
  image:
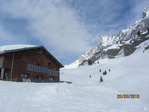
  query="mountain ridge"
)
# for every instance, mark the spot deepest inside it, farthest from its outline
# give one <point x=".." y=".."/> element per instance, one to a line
<point x="124" y="42"/>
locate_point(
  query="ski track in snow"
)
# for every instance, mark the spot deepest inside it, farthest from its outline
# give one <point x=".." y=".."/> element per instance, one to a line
<point x="62" y="97"/>
<point x="128" y="75"/>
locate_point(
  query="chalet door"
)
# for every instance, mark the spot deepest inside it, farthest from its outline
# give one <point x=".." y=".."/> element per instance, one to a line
<point x="5" y="76"/>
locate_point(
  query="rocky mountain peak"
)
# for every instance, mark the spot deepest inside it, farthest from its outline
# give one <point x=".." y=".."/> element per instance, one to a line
<point x="124" y="42"/>
<point x="146" y="12"/>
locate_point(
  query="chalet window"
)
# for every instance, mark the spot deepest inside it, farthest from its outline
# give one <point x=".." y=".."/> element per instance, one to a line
<point x="25" y="76"/>
<point x="49" y="64"/>
<point x="40" y="69"/>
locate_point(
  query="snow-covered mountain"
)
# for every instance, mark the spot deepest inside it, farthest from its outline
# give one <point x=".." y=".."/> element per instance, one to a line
<point x="122" y="44"/>
<point x="127" y="75"/>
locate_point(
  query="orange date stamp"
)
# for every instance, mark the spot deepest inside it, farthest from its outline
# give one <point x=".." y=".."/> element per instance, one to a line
<point x="132" y="96"/>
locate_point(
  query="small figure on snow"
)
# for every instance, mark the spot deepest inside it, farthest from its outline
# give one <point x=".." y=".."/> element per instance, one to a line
<point x="99" y="70"/>
<point x="105" y="72"/>
<point x="90" y="76"/>
<point x="101" y="79"/>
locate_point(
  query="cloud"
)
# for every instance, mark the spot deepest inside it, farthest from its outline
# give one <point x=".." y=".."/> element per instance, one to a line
<point x="53" y="23"/>
<point x="4" y="36"/>
<point x="137" y="10"/>
<point x="107" y="17"/>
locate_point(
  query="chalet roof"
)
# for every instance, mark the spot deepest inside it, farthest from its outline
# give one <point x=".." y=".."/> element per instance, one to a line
<point x="21" y="47"/>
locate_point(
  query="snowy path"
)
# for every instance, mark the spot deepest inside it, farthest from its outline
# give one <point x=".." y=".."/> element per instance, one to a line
<point x="25" y="97"/>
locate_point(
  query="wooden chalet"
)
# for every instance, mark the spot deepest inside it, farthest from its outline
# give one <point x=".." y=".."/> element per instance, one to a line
<point x="35" y="63"/>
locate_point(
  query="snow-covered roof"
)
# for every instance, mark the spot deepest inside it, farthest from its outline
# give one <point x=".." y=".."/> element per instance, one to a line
<point x="20" y="47"/>
<point x="8" y="48"/>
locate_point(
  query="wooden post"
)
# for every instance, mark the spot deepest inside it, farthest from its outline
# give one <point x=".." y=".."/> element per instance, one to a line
<point x="12" y="65"/>
<point x="2" y="73"/>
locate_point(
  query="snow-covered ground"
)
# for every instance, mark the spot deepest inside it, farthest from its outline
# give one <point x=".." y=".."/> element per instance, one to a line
<point x="128" y="75"/>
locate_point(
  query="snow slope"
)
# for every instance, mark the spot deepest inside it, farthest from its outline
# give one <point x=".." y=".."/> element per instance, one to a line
<point x="128" y="75"/>
<point x="72" y="65"/>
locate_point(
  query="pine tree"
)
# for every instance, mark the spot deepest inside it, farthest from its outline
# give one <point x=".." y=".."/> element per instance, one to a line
<point x="101" y="79"/>
<point x="99" y="70"/>
<point x="90" y="76"/>
<point x="105" y="72"/>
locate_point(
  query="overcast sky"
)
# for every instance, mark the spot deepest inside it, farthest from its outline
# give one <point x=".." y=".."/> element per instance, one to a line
<point x="67" y="28"/>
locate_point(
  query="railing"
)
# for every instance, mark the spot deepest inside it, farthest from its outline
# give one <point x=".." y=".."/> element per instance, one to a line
<point x="39" y="69"/>
<point x="15" y="79"/>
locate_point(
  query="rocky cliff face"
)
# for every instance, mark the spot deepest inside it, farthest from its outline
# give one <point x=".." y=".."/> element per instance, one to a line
<point x="123" y="43"/>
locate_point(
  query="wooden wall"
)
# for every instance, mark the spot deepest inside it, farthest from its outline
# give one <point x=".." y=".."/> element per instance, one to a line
<point x="35" y="57"/>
